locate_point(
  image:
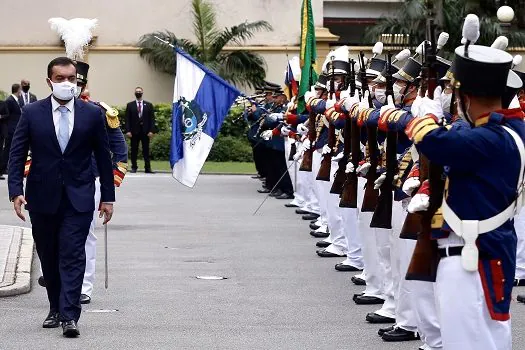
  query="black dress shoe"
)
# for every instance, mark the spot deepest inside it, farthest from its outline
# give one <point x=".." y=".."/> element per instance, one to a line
<point x="257" y="177"/>
<point x="322" y="244"/>
<point x="85" y="299"/>
<point x="302" y="212"/>
<point x="263" y="190"/>
<point x="41" y="281"/>
<point x="133" y="171"/>
<point x="382" y="331"/>
<point x="149" y="171"/>
<point x="290" y="205"/>
<point x="285" y="196"/>
<point x="519" y="282"/>
<point x="521" y="298"/>
<point x="358" y="281"/>
<point x="276" y="193"/>
<point x="372" y="317"/>
<point x="2" y="177"/>
<point x="51" y="320"/>
<point x="357" y="295"/>
<point x="310" y="217"/>
<point x="324" y="254"/>
<point x="319" y="234"/>
<point x="367" y="300"/>
<point x="346" y="268"/>
<point x="70" y="329"/>
<point x="399" y="334"/>
<point x="313" y="226"/>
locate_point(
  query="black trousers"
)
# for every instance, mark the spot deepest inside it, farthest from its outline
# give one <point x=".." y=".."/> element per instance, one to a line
<point x="260" y="156"/>
<point x="60" y="243"/>
<point x="135" y="140"/>
<point x="5" y="147"/>
<point x="276" y="168"/>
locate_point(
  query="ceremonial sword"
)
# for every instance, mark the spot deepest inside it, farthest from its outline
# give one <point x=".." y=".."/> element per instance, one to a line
<point x="106" y="255"/>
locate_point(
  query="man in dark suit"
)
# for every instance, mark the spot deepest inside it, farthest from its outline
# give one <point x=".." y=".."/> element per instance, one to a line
<point x="25" y="96"/>
<point x="12" y="121"/>
<point x="63" y="134"/>
<point x="4" y="114"/>
<point x="140" y="127"/>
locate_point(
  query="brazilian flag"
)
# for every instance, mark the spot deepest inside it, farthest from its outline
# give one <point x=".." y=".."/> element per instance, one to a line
<point x="308" y="53"/>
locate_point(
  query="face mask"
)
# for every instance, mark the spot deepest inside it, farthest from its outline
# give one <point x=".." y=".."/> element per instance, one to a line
<point x="381" y="95"/>
<point x="78" y="92"/>
<point x="25" y="88"/>
<point x="397" y="93"/>
<point x="64" y="91"/>
<point x="138" y="94"/>
<point x="446" y="100"/>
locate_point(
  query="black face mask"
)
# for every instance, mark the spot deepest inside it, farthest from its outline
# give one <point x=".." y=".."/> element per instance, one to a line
<point x="138" y="94"/>
<point x="25" y="88"/>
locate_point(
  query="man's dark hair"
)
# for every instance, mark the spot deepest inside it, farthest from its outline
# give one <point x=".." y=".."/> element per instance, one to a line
<point x="15" y="88"/>
<point x="59" y="61"/>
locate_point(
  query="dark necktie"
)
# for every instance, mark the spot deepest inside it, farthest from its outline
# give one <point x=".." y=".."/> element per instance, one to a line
<point x="139" y="108"/>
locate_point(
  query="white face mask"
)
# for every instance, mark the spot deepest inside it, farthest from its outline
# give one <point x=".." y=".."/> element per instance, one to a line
<point x="446" y="101"/>
<point x="64" y="91"/>
<point x="380" y="95"/>
<point x="397" y="93"/>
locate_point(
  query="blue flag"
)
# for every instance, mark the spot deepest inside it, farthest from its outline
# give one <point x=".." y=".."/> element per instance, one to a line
<point x="201" y="102"/>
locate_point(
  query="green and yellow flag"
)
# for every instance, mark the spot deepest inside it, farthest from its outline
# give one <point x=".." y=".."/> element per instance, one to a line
<point x="308" y="53"/>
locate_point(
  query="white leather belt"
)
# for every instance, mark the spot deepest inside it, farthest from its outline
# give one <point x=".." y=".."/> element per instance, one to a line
<point x="469" y="230"/>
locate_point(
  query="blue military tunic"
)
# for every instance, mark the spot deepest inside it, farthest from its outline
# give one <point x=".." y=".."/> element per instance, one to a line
<point x="483" y="165"/>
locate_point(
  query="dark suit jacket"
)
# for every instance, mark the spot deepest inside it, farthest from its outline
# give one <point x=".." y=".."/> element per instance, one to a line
<point x="4" y="111"/>
<point x="51" y="171"/>
<point x="14" y="114"/>
<point x="137" y="125"/>
<point x="32" y="98"/>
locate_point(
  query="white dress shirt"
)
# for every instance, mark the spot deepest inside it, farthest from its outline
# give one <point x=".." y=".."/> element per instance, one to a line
<point x="16" y="99"/>
<point x="141" y="103"/>
<point x="26" y="97"/>
<point x="57" y="115"/>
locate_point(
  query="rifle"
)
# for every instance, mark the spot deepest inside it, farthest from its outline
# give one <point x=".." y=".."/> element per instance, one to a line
<point x="382" y="217"/>
<point x="326" y="162"/>
<point x="353" y="140"/>
<point x="371" y="194"/>
<point x="425" y="258"/>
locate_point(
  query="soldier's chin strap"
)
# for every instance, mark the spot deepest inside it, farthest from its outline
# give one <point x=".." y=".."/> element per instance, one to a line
<point x="469" y="230"/>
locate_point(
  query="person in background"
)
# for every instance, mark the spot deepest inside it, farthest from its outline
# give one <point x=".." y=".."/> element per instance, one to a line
<point x="140" y="127"/>
<point x="25" y="96"/>
<point x="4" y="114"/>
<point x="15" y="110"/>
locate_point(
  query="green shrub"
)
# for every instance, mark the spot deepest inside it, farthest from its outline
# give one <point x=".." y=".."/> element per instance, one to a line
<point x="160" y="146"/>
<point x="229" y="148"/>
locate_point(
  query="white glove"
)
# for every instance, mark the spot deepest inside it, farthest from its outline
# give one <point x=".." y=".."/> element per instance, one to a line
<point x="379" y="181"/>
<point x="307" y="144"/>
<point x="330" y="103"/>
<point x="433" y="106"/>
<point x="345" y="93"/>
<point x="410" y="185"/>
<point x="275" y="117"/>
<point x="363" y="168"/>
<point x="349" y="168"/>
<point x="389" y="105"/>
<point x="309" y="94"/>
<point x="337" y="157"/>
<point x="302" y="130"/>
<point x="290" y="104"/>
<point x="414" y="109"/>
<point x="326" y="150"/>
<point x="267" y="134"/>
<point x="364" y="102"/>
<point x="285" y="131"/>
<point x="299" y="154"/>
<point x="419" y="202"/>
<point x="350" y="101"/>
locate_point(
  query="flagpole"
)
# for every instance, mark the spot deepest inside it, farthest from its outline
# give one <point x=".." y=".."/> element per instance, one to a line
<point x="164" y="41"/>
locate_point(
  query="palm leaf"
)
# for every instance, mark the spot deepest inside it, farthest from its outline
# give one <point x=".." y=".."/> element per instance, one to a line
<point x="204" y="26"/>
<point x="237" y="35"/>
<point x="242" y="67"/>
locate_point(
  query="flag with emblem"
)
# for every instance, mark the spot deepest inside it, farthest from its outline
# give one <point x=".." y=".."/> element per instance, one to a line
<point x="308" y="53"/>
<point x="201" y="102"/>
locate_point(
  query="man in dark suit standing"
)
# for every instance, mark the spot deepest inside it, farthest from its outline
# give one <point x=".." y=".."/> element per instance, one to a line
<point x="25" y="96"/>
<point x="140" y="127"/>
<point x="63" y="134"/>
<point x="12" y="121"/>
<point x="4" y="114"/>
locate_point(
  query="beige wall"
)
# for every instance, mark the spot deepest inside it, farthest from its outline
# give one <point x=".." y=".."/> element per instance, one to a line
<point x="122" y="22"/>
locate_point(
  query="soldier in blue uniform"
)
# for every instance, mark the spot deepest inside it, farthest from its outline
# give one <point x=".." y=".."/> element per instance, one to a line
<point x="477" y="243"/>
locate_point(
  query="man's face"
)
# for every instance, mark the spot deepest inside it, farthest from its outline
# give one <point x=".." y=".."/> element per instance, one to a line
<point x="138" y="92"/>
<point x="60" y="74"/>
<point x="280" y="99"/>
<point x="269" y="97"/>
<point x="25" y="85"/>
